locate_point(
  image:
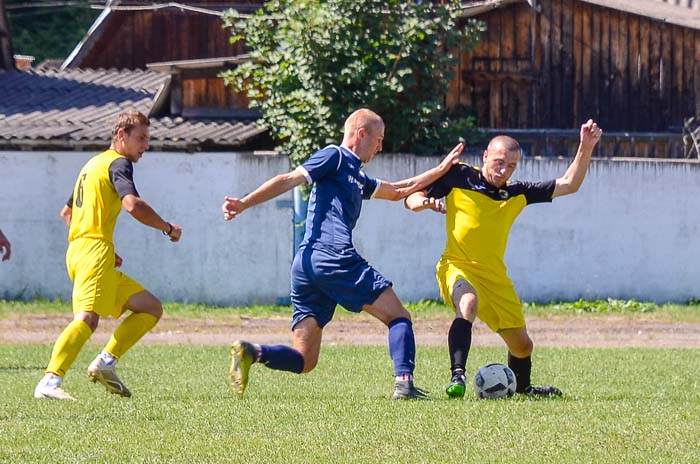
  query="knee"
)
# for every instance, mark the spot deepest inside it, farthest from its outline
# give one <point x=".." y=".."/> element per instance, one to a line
<point x="310" y="363"/>
<point x="157" y="309"/>
<point x="92" y="319"/>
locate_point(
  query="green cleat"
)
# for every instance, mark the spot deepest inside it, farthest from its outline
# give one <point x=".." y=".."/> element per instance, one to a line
<point x="457" y="386"/>
<point x="242" y="357"/>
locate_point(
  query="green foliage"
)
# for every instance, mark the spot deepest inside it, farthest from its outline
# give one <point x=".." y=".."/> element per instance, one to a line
<point x="48" y="32"/>
<point x="620" y="406"/>
<point x="314" y="62"/>
<point x="610" y="305"/>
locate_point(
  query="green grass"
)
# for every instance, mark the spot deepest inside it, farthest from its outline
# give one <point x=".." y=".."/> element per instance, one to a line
<point x="426" y="309"/>
<point x="621" y="405"/>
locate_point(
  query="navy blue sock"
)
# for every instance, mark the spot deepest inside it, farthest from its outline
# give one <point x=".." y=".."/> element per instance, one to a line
<point x="402" y="346"/>
<point x="459" y="340"/>
<point x="282" y="358"/>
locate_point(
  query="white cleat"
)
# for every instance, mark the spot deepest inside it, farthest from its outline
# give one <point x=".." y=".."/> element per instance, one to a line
<point x="99" y="371"/>
<point x="45" y="391"/>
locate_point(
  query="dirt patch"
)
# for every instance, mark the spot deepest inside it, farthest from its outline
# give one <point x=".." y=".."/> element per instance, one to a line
<point x="604" y="331"/>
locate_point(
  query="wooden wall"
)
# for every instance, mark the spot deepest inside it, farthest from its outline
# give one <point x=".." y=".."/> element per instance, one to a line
<point x="210" y="92"/>
<point x="133" y="39"/>
<point x="573" y="61"/>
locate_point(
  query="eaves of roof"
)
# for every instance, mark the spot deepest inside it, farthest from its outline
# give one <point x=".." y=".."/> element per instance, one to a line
<point x="75" y="109"/>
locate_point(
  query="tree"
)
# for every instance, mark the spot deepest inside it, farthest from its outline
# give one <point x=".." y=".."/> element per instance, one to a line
<point x="315" y="61"/>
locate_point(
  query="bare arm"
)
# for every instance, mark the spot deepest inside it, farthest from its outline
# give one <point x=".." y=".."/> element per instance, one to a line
<point x="419" y="201"/>
<point x="66" y="214"/>
<point x="270" y="189"/>
<point x="395" y="191"/>
<point x="142" y="212"/>
<point x="572" y="179"/>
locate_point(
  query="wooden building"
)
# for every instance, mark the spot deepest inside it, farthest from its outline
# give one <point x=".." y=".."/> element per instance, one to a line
<point x="541" y="69"/>
<point x="632" y="65"/>
<point x="6" y="59"/>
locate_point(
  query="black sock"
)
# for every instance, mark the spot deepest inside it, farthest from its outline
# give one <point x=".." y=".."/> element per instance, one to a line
<point x="459" y="339"/>
<point x="521" y="367"/>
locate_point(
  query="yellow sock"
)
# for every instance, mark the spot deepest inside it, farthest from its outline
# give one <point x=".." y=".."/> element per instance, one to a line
<point x="129" y="332"/>
<point x="67" y="347"/>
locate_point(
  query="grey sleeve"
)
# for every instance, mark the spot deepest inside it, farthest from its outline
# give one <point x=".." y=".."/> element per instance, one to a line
<point x="121" y="173"/>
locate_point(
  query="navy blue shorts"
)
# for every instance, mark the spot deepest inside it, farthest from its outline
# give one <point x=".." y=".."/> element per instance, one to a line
<point x="322" y="279"/>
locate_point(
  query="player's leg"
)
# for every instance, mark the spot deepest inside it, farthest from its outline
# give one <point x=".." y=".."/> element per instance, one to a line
<point x="402" y="345"/>
<point x="520" y="348"/>
<point x="459" y="337"/>
<point x="300" y="358"/>
<point x="90" y="265"/>
<point x="65" y="350"/>
<point x="146" y="310"/>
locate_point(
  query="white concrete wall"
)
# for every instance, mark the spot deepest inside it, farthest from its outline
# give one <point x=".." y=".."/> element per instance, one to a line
<point x="245" y="261"/>
<point x="632" y="231"/>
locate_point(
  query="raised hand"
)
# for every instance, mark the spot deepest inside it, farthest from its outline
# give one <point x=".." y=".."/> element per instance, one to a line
<point x="451" y="158"/>
<point x="590" y="134"/>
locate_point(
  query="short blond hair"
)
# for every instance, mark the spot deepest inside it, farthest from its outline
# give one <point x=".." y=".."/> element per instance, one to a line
<point x="127" y="120"/>
<point x="362" y="118"/>
<point x="509" y="143"/>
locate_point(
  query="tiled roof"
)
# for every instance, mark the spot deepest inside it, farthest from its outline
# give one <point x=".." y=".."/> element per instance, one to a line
<point x="75" y="108"/>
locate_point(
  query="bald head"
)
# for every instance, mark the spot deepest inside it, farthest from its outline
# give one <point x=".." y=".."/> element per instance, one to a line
<point x="503" y="142"/>
<point x="362" y="118"/>
<point x="364" y="133"/>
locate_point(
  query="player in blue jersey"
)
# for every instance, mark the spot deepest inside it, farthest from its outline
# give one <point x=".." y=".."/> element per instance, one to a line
<point x="327" y="270"/>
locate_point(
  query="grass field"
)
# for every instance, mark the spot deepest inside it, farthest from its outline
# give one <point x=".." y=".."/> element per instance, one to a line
<point x="424" y="309"/>
<point x="621" y="405"/>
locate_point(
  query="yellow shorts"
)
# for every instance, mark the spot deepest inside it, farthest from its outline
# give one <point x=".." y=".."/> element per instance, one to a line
<point x="497" y="303"/>
<point x="97" y="285"/>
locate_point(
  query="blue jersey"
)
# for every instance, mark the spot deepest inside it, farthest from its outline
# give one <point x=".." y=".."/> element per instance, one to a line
<point x="336" y="198"/>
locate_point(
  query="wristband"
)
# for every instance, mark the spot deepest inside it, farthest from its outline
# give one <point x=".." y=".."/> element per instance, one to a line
<point x="169" y="231"/>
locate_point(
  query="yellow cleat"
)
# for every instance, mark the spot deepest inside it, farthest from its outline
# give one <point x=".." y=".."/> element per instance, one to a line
<point x="242" y="357"/>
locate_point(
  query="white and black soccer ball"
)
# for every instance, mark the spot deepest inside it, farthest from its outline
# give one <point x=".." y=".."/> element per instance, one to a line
<point x="494" y="381"/>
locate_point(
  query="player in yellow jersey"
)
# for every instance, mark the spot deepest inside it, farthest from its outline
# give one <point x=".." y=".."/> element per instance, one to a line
<point x="105" y="185"/>
<point x="481" y="205"/>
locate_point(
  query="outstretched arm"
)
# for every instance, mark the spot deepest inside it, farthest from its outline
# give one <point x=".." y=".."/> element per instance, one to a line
<point x="574" y="175"/>
<point x="142" y="212"/>
<point x="270" y="189"/>
<point x="395" y="191"/>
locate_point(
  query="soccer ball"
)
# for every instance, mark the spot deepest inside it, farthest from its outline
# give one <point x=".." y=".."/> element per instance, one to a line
<point x="494" y="381"/>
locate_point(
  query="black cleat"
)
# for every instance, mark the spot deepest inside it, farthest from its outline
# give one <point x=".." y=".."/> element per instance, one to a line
<point x="542" y="391"/>
<point x="405" y="390"/>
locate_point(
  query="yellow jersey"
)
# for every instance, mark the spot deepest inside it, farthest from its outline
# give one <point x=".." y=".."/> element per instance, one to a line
<point x="480" y="215"/>
<point x="96" y="200"/>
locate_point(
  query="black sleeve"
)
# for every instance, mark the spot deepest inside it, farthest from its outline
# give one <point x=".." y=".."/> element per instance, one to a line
<point x="121" y="173"/>
<point x="441" y="187"/>
<point x="69" y="203"/>
<point x="539" y="192"/>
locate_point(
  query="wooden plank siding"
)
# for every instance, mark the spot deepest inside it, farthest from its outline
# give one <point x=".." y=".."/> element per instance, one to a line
<point x="133" y="39"/>
<point x="556" y="67"/>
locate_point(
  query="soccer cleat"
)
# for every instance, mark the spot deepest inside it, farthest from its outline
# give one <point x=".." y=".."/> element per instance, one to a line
<point x="405" y="390"/>
<point x="100" y="371"/>
<point x="242" y="357"/>
<point x="45" y="391"/>
<point x="457" y="386"/>
<point x="542" y="391"/>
